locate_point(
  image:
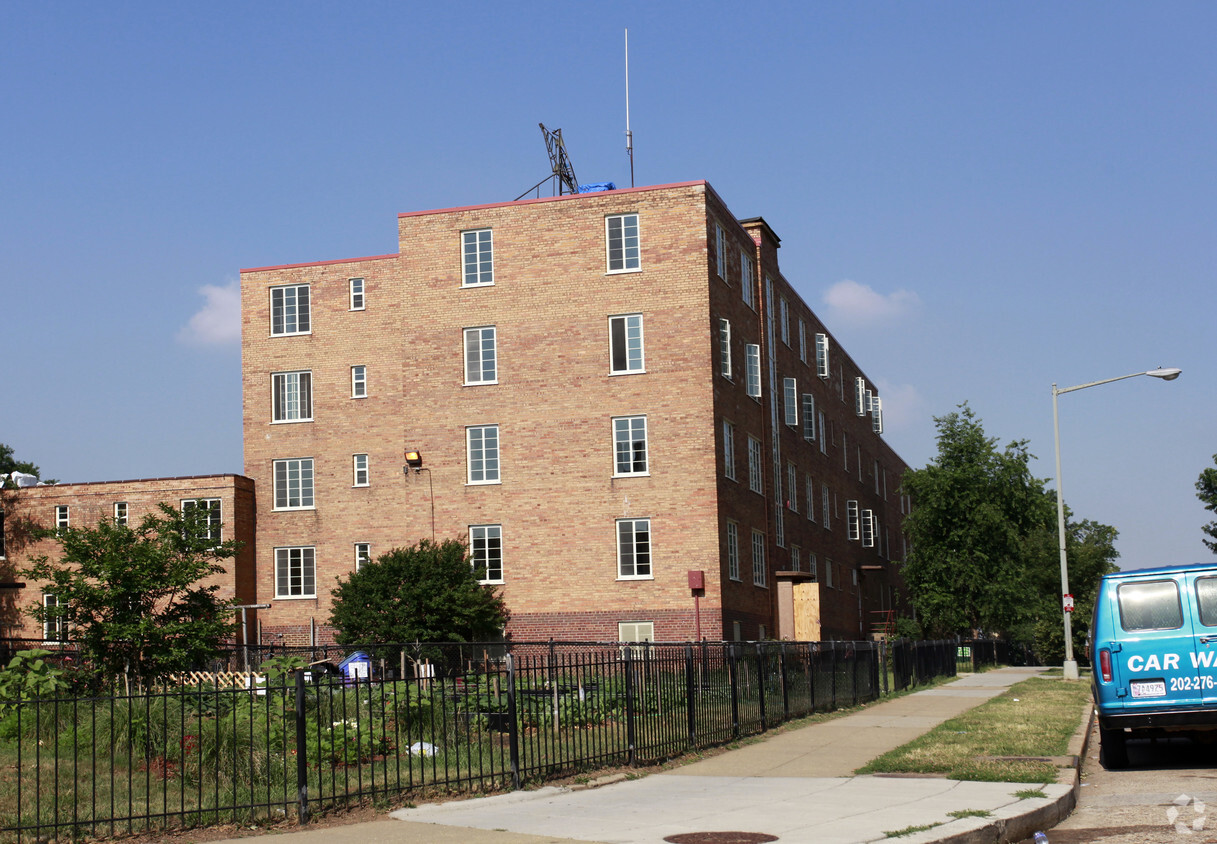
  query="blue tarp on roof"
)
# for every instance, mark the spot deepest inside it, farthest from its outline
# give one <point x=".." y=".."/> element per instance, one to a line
<point x="593" y="187"/>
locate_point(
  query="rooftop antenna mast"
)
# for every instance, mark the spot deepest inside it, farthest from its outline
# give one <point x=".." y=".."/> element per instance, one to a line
<point x="562" y="171"/>
<point x="629" y="136"/>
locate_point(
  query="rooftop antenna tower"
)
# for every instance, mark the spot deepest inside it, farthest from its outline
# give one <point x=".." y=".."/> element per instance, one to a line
<point x="629" y="136"/>
<point x="562" y="171"/>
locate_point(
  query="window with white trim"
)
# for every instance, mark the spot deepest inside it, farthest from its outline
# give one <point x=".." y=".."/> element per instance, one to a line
<point x="845" y="450"/>
<point x="293" y="483"/>
<point x="790" y="401"/>
<point x="784" y="320"/>
<point x="291" y="396"/>
<point x="359" y="470"/>
<point x="756" y="480"/>
<point x="630" y="445"/>
<point x="481" y="355"/>
<point x="55" y="625"/>
<point x="802" y="341"/>
<point x="633" y="549"/>
<point x="486" y="552"/>
<point x="747" y="279"/>
<point x="213" y="516"/>
<point x="728" y="450"/>
<point x="876" y="415"/>
<point x="724" y="347"/>
<point x="828" y="573"/>
<point x="296" y="572"/>
<point x="813" y="565"/>
<point x="860" y="405"/>
<point x="752" y="369"/>
<point x="121" y="511"/>
<point x="359" y="382"/>
<point x="720" y="251"/>
<point x="825" y="508"/>
<point x="290" y="310"/>
<point x="810" y="487"/>
<point x="635" y="631"/>
<point x="363" y="554"/>
<point x="622" y="244"/>
<point x="823" y="433"/>
<point x="477" y="256"/>
<point x="482" y="443"/>
<point x="822" y="355"/>
<point x="792" y="486"/>
<point x="356" y="290"/>
<point x="733" y="551"/>
<point x="809" y="417"/>
<point x="759" y="574"/>
<point x="61" y="517"/>
<point x="779" y="524"/>
<point x="852" y="527"/>
<point x="795" y="561"/>
<point x="625" y="344"/>
<point x="869" y="524"/>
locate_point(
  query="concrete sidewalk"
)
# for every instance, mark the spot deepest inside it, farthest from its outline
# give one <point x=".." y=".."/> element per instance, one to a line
<point x="797" y="785"/>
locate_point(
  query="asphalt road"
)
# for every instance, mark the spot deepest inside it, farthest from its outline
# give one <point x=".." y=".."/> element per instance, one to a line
<point x="1167" y="795"/>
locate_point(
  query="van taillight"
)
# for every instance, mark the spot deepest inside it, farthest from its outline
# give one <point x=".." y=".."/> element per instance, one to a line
<point x="1105" y="664"/>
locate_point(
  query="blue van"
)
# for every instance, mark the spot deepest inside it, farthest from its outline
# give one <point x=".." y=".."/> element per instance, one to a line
<point x="1153" y="645"/>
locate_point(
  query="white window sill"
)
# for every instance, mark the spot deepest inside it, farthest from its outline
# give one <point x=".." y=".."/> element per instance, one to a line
<point x="479" y="284"/>
<point x="624" y="271"/>
<point x="631" y="475"/>
<point x="364" y="396"/>
<point x="483" y="483"/>
<point x="499" y="582"/>
<point x="628" y="372"/>
<point x="289" y="421"/>
<point x="296" y="597"/>
<point x="292" y="334"/>
<point x="622" y="577"/>
<point x="360" y="486"/>
<point x="480" y="383"/>
<point x="292" y="509"/>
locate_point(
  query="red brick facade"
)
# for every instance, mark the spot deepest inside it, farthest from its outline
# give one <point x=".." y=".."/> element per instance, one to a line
<point x="559" y="498"/>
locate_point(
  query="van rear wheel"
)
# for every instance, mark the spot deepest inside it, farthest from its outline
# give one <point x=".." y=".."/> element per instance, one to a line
<point x="1113" y="752"/>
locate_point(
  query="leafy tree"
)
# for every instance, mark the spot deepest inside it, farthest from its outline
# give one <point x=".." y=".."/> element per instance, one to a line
<point x="425" y="593"/>
<point x="1206" y="491"/>
<point x="134" y="596"/>
<point x="975" y="511"/>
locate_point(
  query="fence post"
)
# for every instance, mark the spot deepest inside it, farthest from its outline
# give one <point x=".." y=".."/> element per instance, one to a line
<point x="690" y="695"/>
<point x="629" y="704"/>
<point x="513" y="724"/>
<point x="301" y="751"/>
<point x="760" y="683"/>
<point x="733" y="666"/>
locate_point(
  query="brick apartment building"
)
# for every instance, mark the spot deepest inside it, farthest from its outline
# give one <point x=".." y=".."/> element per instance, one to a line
<point x="614" y="395"/>
<point x="229" y="500"/>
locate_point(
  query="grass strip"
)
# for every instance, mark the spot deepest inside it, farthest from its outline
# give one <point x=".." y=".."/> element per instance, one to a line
<point x="1034" y="718"/>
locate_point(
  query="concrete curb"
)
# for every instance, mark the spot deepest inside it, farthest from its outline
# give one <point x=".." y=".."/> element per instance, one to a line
<point x="1023" y="819"/>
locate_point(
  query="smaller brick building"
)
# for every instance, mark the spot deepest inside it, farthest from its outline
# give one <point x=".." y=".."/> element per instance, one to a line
<point x="229" y="498"/>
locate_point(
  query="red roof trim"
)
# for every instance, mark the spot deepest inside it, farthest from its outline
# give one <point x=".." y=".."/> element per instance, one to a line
<point x="320" y="263"/>
<point x="564" y="197"/>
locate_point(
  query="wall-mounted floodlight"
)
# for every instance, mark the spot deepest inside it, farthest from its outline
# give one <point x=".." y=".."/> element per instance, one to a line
<point x="414" y="460"/>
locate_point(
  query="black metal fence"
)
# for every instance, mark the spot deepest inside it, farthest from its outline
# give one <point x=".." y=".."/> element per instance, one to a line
<point x="463" y="718"/>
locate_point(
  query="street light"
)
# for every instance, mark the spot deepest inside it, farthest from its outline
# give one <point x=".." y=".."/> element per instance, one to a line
<point x="1071" y="666"/>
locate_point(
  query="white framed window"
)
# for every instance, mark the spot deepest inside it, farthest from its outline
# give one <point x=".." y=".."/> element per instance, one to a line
<point x="293" y="482"/>
<point x="822" y="355"/>
<point x="845" y="450"/>
<point x="823" y="433"/>
<point x="795" y="558"/>
<point x="296" y="572"/>
<point x="759" y="574"/>
<point x="622" y="244"/>
<point x="290" y="311"/>
<point x="720" y="251"/>
<point x="477" y="258"/>
<point x="481" y="355"/>
<point x="359" y="470"/>
<point x="630" y="445"/>
<point x="635" y="631"/>
<point x="868" y="524"/>
<point x="825" y="508"/>
<point x="483" y="453"/>
<point x="733" y="551"/>
<point x="752" y="369"/>
<point x="363" y="554"/>
<point x="724" y="348"/>
<point x="792" y="487"/>
<point x="876" y="415"/>
<point x="852" y="527"/>
<point x="291" y="396"/>
<point x="813" y="565"/>
<point x="853" y="573"/>
<point x="756" y="479"/>
<point x="802" y="341"/>
<point x="779" y="524"/>
<point x="809" y="417"/>
<point x="121" y="511"/>
<point x="359" y="382"/>
<point x="356" y="291"/>
<point x="728" y="450"/>
<point x="62" y="517"/>
<point x="810" y="488"/>
<point x="214" y="515"/>
<point x="625" y="344"/>
<point x="784" y="320"/>
<point x="747" y="280"/>
<point x="486" y="552"/>
<point x="860" y="404"/>
<point x="55" y="626"/>
<point x="633" y="549"/>
<point x="790" y="401"/>
<point x="828" y="573"/>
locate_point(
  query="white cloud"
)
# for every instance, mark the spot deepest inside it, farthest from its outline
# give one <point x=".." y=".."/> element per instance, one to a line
<point x="859" y="304"/>
<point x="218" y="322"/>
<point x="903" y="406"/>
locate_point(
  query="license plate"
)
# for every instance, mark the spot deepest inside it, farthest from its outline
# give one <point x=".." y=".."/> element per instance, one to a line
<point x="1148" y="688"/>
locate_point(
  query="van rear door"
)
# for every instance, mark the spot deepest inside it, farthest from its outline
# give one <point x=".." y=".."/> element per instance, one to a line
<point x="1204" y="590"/>
<point x="1155" y="664"/>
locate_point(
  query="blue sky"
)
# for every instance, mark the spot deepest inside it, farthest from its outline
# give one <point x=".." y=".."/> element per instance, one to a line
<point x="980" y="199"/>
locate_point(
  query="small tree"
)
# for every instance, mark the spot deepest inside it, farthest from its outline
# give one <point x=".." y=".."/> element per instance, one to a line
<point x="425" y="593"/>
<point x="1206" y="491"/>
<point x="134" y="597"/>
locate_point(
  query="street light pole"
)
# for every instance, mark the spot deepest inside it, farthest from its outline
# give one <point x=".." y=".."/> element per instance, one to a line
<point x="1071" y="666"/>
